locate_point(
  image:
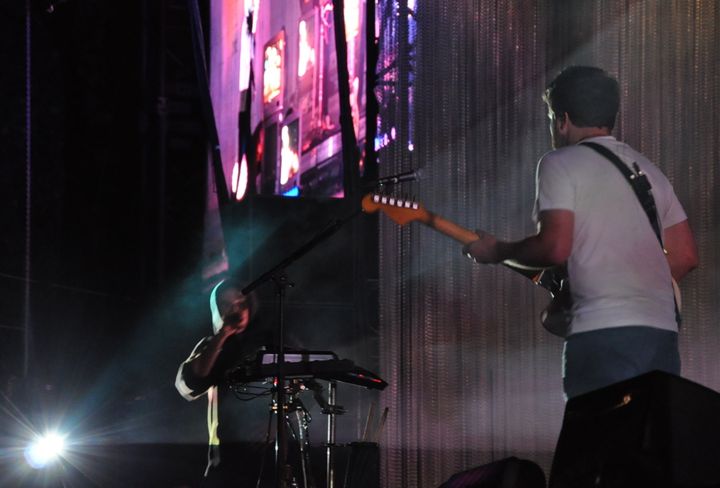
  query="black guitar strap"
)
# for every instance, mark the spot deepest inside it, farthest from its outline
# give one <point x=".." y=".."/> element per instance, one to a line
<point x="643" y="190"/>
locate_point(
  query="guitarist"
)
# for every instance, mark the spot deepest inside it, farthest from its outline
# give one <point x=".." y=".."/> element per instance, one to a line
<point x="589" y="218"/>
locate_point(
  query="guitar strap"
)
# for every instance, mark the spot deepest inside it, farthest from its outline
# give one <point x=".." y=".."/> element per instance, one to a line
<point x="643" y="190"/>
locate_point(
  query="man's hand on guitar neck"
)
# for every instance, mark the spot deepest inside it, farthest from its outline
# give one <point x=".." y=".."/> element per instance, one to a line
<point x="483" y="250"/>
<point x="551" y="246"/>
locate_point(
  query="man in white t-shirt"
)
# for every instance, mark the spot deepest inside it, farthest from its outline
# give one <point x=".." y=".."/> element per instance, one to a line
<point x="589" y="218"/>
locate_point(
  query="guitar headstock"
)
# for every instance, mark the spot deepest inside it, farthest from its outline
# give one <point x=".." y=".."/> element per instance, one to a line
<point x="401" y="211"/>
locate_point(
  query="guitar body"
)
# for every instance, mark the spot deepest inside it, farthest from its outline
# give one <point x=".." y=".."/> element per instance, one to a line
<point x="557" y="316"/>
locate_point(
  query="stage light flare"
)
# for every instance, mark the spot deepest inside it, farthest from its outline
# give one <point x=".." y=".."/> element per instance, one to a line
<point x="352" y="19"/>
<point x="255" y="9"/>
<point x="45" y="450"/>
<point x="240" y="179"/>
<point x="234" y="177"/>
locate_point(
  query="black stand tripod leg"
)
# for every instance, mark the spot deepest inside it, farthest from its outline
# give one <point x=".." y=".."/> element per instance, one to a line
<point x="330" y="462"/>
<point x="303" y="439"/>
<point x="265" y="448"/>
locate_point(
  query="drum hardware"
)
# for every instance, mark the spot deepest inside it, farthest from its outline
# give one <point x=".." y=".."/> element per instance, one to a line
<point x="283" y="369"/>
<point x="303" y="369"/>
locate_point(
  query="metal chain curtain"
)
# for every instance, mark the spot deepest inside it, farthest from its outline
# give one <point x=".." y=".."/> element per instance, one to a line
<point x="473" y="376"/>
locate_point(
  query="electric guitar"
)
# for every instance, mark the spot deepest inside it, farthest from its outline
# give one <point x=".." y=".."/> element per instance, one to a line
<point x="555" y="318"/>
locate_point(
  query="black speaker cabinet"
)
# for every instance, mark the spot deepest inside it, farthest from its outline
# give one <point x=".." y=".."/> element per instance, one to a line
<point x="655" y="430"/>
<point x="363" y="466"/>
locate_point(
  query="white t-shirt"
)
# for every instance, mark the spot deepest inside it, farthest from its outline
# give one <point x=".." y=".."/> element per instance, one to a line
<point x="618" y="272"/>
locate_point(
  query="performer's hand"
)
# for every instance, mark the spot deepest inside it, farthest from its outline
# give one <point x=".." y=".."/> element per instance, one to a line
<point x="483" y="250"/>
<point x="236" y="321"/>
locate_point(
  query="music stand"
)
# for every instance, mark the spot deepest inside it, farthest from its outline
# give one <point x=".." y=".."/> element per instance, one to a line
<point x="278" y="275"/>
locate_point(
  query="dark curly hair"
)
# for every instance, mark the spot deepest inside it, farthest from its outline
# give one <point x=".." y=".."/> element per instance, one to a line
<point x="589" y="95"/>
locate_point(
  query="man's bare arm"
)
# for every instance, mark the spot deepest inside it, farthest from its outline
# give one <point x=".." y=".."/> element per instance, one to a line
<point x="681" y="249"/>
<point x="551" y="246"/>
<point x="204" y="362"/>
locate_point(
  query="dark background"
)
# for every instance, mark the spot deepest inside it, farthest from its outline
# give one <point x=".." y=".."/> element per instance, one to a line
<point x="95" y="230"/>
<point x="101" y="235"/>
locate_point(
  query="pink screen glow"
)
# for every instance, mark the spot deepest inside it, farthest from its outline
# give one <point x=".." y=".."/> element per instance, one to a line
<point x="273" y="69"/>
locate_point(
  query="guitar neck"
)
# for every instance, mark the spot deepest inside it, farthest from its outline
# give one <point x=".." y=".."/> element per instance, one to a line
<point x="465" y="236"/>
<point x="451" y="229"/>
<point x="403" y="212"/>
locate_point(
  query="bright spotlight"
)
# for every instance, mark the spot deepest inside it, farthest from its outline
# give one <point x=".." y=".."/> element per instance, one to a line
<point x="44" y="450"/>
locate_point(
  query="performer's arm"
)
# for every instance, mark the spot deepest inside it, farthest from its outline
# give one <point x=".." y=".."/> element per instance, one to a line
<point x="194" y="374"/>
<point x="203" y="363"/>
<point x="551" y="245"/>
<point x="681" y="249"/>
<point x="187" y="384"/>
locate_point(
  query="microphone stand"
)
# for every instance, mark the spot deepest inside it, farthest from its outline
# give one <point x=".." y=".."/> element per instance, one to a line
<point x="278" y="275"/>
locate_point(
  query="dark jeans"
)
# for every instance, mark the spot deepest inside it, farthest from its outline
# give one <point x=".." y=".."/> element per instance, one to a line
<point x="599" y="358"/>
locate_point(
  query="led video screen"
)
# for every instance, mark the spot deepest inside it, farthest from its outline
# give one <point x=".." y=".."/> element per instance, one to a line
<point x="301" y="142"/>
